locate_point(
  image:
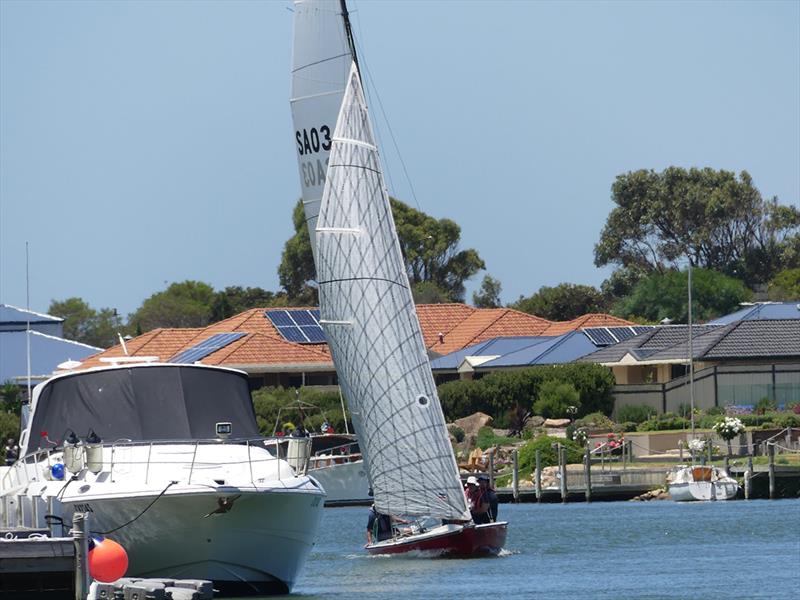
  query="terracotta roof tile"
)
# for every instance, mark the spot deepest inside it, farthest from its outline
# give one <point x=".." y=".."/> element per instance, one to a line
<point x="460" y="326"/>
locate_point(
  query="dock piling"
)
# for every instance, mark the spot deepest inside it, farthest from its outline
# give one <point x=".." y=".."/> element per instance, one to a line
<point x="515" y="476"/>
<point x="562" y="469"/>
<point x="771" y="453"/>
<point x="748" y="475"/>
<point x="80" y="540"/>
<point x="537" y="479"/>
<point x="587" y="469"/>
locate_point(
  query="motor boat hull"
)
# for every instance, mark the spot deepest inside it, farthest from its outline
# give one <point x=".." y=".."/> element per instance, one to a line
<point x="246" y="542"/>
<point x="345" y="484"/>
<point x="452" y="541"/>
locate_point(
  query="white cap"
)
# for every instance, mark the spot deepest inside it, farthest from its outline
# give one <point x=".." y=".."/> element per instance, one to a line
<point x="472" y="480"/>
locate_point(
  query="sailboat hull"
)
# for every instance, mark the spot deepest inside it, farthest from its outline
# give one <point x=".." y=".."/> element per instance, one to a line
<point x="452" y="541"/>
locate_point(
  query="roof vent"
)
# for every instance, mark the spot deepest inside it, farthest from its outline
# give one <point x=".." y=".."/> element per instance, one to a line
<point x="441" y="335"/>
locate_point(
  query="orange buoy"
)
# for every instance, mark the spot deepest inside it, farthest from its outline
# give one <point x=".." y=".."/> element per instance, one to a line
<point x="108" y="561"/>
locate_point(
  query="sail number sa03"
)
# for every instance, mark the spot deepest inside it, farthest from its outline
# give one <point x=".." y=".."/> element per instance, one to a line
<point x="310" y="144"/>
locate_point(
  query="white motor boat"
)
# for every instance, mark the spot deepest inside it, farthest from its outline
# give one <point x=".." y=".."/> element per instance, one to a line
<point x="691" y="483"/>
<point x="336" y="463"/>
<point x="172" y="467"/>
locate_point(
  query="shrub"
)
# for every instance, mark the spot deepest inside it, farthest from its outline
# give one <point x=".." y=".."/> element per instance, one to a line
<point x="456" y="432"/>
<point x="765" y="405"/>
<point x="627" y="426"/>
<point x="665" y="422"/>
<point x="486" y="438"/>
<point x="9" y="427"/>
<point x="787" y="420"/>
<point x="555" y="399"/>
<point x="596" y="419"/>
<point x="638" y="413"/>
<point x="270" y="402"/>
<point x="715" y="411"/>
<point x="527" y="454"/>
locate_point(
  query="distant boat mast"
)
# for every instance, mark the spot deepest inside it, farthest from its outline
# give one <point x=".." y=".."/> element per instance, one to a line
<point x="28" y="318"/>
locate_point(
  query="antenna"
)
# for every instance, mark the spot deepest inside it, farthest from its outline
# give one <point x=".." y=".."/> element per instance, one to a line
<point x="122" y="342"/>
<point x="28" y="318"/>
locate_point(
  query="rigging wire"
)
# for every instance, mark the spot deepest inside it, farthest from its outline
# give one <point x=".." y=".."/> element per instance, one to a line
<point x="372" y="92"/>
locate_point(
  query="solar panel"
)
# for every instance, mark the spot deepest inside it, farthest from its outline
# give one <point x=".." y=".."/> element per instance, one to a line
<point x="600" y="336"/>
<point x="621" y="333"/>
<point x="293" y="334"/>
<point x="280" y="318"/>
<point x="206" y="347"/>
<point x="314" y="334"/>
<point x="298" y="326"/>
<point x="304" y="317"/>
<point x="642" y="328"/>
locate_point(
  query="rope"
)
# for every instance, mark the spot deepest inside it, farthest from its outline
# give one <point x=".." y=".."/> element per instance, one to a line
<point x="156" y="499"/>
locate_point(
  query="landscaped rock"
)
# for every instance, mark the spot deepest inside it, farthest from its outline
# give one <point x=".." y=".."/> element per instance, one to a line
<point x="472" y="424"/>
<point x="534" y="422"/>
<point x="556" y="422"/>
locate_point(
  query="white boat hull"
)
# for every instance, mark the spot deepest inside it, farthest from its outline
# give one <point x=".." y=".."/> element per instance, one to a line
<point x="701" y="483"/>
<point x="703" y="490"/>
<point x="344" y="484"/>
<point x="257" y="546"/>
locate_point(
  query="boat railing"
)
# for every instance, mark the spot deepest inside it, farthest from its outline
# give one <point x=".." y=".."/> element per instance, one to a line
<point x="37" y="464"/>
<point x="335" y="455"/>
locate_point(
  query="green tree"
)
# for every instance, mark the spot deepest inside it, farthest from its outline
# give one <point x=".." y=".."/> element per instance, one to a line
<point x="720" y="221"/>
<point x="11" y="396"/>
<point x="84" y="324"/>
<point x="235" y="299"/>
<point x="297" y="263"/>
<point x="488" y="296"/>
<point x="555" y="399"/>
<point x="563" y="302"/>
<point x="785" y="285"/>
<point x="659" y="296"/>
<point x="429" y="247"/>
<point x="185" y="304"/>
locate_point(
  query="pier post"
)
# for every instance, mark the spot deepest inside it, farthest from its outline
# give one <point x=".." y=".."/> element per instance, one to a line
<point x="81" y="542"/>
<point x="537" y="478"/>
<point x="491" y="468"/>
<point x="515" y="476"/>
<point x="771" y="453"/>
<point x="562" y="469"/>
<point x="726" y="464"/>
<point x="587" y="469"/>
<point x="748" y="475"/>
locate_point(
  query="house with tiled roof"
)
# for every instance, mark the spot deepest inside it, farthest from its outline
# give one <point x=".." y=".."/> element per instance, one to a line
<point x="736" y="361"/>
<point x="285" y="347"/>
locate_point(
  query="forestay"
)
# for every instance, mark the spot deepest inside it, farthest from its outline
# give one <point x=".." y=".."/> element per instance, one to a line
<point x="373" y="331"/>
<point x="320" y="62"/>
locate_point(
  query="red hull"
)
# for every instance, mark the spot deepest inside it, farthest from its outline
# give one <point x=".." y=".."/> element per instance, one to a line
<point x="462" y="541"/>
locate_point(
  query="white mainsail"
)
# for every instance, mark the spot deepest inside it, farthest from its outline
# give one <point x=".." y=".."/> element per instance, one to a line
<point x="321" y="60"/>
<point x="373" y="332"/>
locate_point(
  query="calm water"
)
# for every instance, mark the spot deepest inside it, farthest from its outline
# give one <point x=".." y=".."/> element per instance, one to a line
<point x="611" y="550"/>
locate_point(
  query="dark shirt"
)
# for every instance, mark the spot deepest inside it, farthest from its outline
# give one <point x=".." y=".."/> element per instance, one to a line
<point x="491" y="496"/>
<point x="380" y="525"/>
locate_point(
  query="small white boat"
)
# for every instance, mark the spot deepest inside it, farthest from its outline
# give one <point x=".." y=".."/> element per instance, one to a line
<point x="181" y="478"/>
<point x="691" y="483"/>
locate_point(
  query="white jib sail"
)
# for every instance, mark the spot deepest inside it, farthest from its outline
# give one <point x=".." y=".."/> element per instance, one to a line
<point x="373" y="331"/>
<point x="320" y="63"/>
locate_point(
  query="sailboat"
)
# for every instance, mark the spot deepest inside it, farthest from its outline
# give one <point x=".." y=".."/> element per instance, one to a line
<point x="698" y="482"/>
<point x="372" y="329"/>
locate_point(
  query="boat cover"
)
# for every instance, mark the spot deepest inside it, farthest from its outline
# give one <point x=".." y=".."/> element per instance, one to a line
<point x="143" y="403"/>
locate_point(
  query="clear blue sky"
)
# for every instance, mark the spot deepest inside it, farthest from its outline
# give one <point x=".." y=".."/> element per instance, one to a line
<point x="143" y="143"/>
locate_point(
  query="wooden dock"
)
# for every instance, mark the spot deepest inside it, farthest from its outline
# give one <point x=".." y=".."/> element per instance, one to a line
<point x="34" y="567"/>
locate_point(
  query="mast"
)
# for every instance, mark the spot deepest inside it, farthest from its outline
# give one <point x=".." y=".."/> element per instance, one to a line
<point x="691" y="349"/>
<point x="349" y="33"/>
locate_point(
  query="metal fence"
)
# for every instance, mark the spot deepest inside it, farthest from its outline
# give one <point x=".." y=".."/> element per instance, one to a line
<point x="720" y="385"/>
